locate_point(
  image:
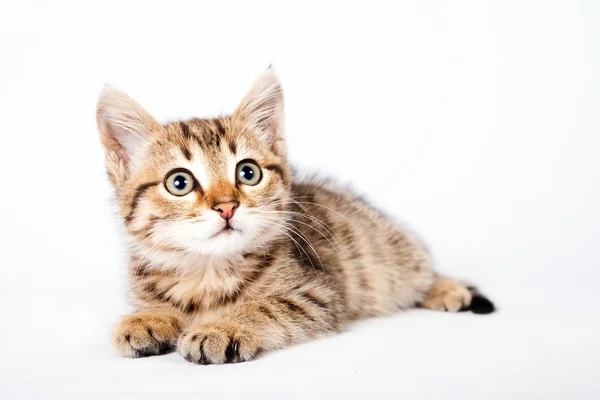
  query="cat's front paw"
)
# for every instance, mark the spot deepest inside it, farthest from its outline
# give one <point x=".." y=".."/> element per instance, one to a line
<point x="218" y="344"/>
<point x="147" y="333"/>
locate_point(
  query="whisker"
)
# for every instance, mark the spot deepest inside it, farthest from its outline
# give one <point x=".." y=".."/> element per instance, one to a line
<point x="298" y="246"/>
<point x="264" y="245"/>
<point x="335" y="248"/>
<point x="292" y="200"/>
<point x="327" y="228"/>
<point x="309" y="216"/>
<point x="297" y="232"/>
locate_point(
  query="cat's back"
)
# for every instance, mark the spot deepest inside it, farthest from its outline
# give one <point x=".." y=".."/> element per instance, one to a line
<point x="368" y="253"/>
<point x="341" y="206"/>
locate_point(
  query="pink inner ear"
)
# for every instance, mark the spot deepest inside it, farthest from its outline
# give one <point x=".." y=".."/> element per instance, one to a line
<point x="119" y="140"/>
<point x="273" y="135"/>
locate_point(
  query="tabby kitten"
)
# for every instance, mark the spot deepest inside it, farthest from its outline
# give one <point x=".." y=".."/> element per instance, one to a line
<point x="230" y="257"/>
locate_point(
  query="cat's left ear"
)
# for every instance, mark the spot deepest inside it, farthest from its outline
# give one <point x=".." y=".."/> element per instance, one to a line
<point x="262" y="108"/>
<point x="125" y="129"/>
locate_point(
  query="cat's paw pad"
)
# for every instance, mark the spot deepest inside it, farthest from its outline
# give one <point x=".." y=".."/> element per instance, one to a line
<point x="218" y="344"/>
<point x="447" y="295"/>
<point x="143" y="335"/>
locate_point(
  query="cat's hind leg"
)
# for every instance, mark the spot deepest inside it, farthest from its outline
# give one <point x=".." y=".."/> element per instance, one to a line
<point x="451" y="295"/>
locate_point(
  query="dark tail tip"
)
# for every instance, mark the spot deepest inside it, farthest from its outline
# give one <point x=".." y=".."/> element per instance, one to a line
<point x="479" y="303"/>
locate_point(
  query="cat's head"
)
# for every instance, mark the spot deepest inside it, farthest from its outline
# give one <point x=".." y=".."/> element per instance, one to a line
<point x="202" y="186"/>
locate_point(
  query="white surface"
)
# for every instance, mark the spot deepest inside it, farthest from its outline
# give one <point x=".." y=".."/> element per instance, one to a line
<point x="477" y="122"/>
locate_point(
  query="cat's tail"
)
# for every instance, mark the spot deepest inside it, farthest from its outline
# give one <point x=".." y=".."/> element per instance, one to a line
<point x="451" y="295"/>
<point x="479" y="303"/>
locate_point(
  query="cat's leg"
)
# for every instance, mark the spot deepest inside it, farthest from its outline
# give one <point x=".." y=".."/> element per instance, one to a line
<point x="148" y="332"/>
<point x="259" y="326"/>
<point x="451" y="295"/>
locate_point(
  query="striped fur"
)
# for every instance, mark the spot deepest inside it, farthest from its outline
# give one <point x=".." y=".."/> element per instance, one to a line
<point x="299" y="260"/>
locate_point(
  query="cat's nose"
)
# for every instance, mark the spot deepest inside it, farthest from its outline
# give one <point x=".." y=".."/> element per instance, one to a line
<point x="226" y="209"/>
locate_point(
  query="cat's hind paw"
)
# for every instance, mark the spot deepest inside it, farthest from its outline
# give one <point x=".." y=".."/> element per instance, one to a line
<point x="450" y="295"/>
<point x="447" y="295"/>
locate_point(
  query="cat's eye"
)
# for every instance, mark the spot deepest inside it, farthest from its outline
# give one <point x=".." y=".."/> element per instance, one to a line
<point x="179" y="182"/>
<point x="248" y="173"/>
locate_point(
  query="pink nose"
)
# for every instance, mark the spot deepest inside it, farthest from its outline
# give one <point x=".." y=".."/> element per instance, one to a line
<point x="226" y="209"/>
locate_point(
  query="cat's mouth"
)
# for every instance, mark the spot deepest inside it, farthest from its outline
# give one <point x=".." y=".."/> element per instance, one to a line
<point x="226" y="230"/>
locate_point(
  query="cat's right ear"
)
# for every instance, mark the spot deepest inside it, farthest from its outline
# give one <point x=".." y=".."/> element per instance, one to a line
<point x="125" y="128"/>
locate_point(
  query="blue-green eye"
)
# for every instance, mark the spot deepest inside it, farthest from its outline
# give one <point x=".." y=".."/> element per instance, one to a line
<point x="179" y="182"/>
<point x="248" y="173"/>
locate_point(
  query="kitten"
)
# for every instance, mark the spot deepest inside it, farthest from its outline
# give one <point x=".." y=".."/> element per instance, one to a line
<point x="229" y="257"/>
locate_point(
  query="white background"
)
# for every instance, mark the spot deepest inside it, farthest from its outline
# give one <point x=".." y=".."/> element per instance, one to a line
<point x="475" y="122"/>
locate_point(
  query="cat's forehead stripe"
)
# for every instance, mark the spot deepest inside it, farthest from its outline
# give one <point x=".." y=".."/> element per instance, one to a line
<point x="199" y="145"/>
<point x="185" y="131"/>
<point x="207" y="133"/>
<point x="197" y="163"/>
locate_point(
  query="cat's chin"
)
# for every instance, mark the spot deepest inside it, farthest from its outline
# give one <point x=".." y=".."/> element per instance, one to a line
<point x="180" y="249"/>
<point x="218" y="250"/>
<point x="225" y="243"/>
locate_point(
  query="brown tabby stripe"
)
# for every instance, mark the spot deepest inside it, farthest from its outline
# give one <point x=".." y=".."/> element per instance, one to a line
<point x="277" y="169"/>
<point x="142" y="269"/>
<point x="220" y="127"/>
<point x="151" y="287"/>
<point x="139" y="192"/>
<point x="267" y="312"/>
<point x="305" y="253"/>
<point x="253" y="277"/>
<point x="160" y="295"/>
<point x="232" y="147"/>
<point x="227" y="298"/>
<point x="294" y="308"/>
<point x="197" y="124"/>
<point x="260" y="269"/>
<point x="190" y="308"/>
<point x="185" y="130"/>
<point x="186" y="152"/>
<point x="212" y="134"/>
<point x="314" y="300"/>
